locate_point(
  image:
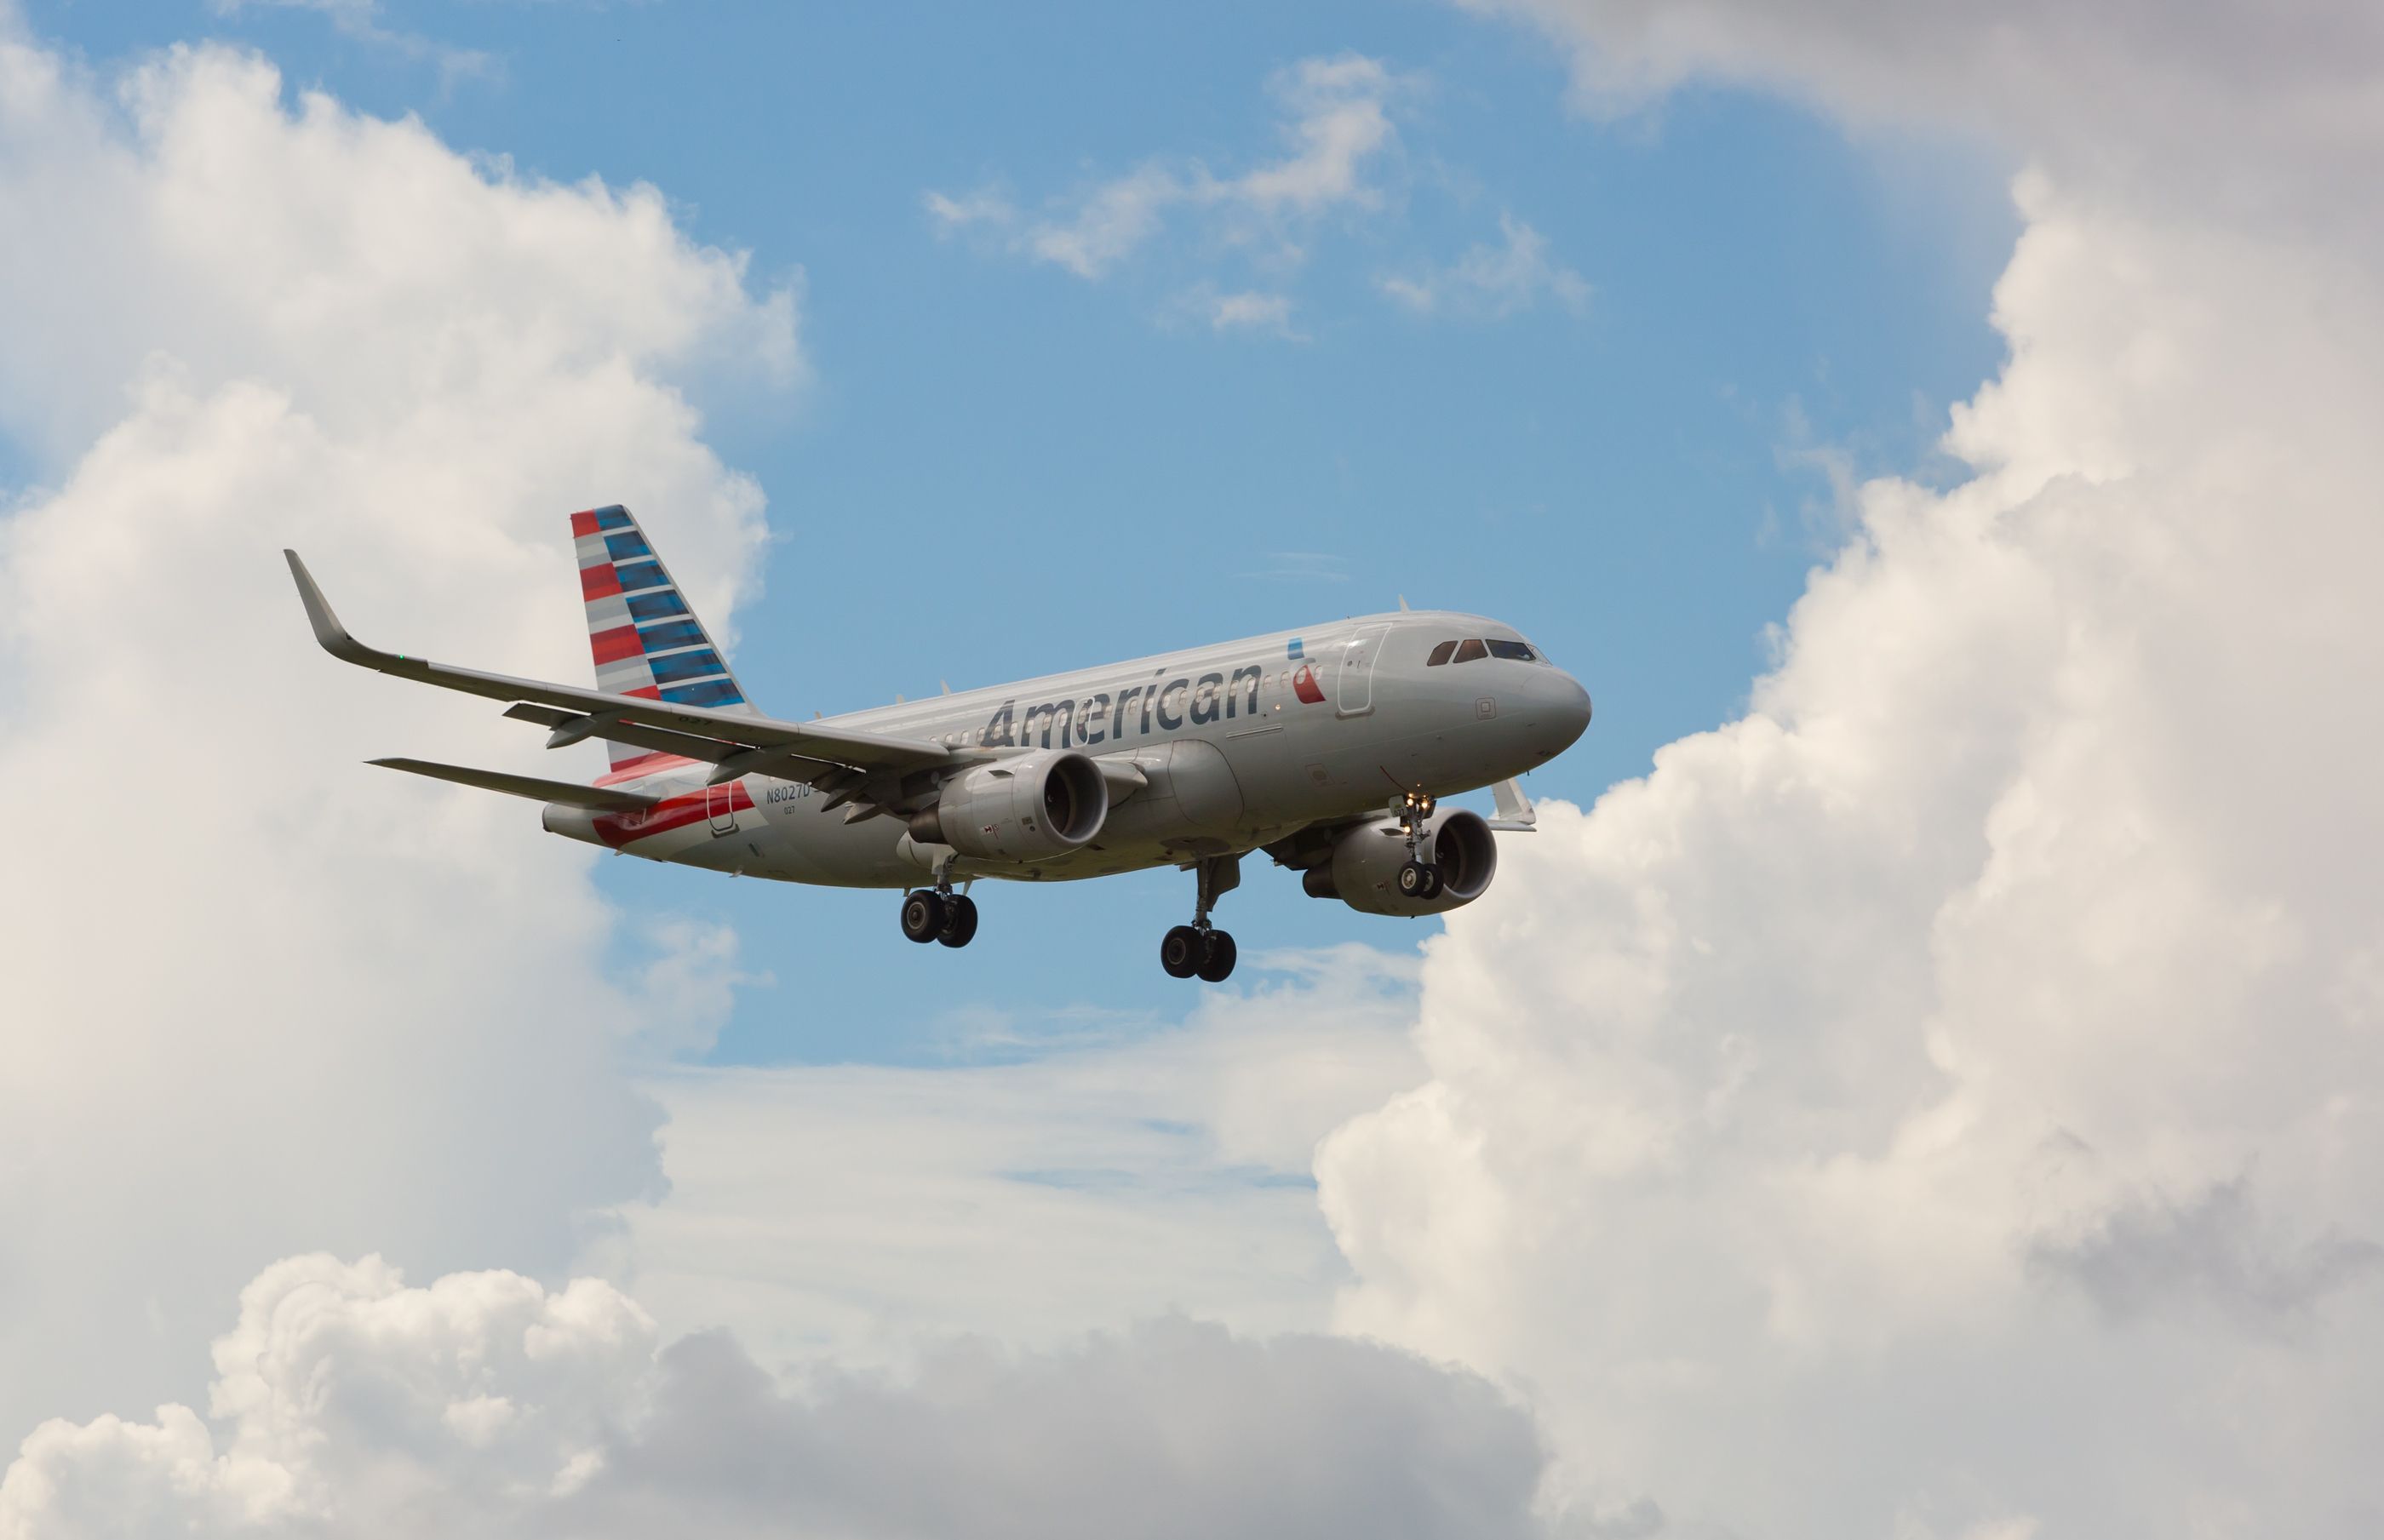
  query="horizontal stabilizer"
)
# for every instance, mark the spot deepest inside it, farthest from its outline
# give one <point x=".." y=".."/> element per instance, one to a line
<point x="596" y="798"/>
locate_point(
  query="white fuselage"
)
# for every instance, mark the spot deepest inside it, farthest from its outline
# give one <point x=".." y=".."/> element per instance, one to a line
<point x="1238" y="745"/>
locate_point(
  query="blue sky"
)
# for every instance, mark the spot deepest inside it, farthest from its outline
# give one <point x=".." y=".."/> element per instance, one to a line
<point x="997" y="467"/>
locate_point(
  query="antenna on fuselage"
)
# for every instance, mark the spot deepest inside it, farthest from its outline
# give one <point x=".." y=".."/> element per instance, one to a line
<point x="1403" y="603"/>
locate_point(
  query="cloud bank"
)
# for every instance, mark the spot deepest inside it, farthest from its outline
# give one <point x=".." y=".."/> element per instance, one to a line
<point x="1948" y="1100"/>
<point x="261" y="1000"/>
<point x="345" y="1403"/>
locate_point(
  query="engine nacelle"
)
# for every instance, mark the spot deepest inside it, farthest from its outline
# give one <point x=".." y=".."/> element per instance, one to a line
<point x="1364" y="870"/>
<point x="1030" y="807"/>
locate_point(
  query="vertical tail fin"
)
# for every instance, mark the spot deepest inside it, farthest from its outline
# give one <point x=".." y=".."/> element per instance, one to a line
<point x="645" y="639"/>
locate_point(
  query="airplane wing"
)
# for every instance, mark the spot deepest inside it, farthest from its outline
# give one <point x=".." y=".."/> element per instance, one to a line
<point x="596" y="798"/>
<point x="733" y="740"/>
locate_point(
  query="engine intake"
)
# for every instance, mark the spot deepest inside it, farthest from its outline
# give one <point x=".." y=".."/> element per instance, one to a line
<point x="1031" y="807"/>
<point x="1363" y="871"/>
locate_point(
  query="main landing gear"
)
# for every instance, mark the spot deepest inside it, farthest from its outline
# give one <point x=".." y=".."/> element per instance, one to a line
<point x="939" y="914"/>
<point x="1200" y="948"/>
<point x="1419" y="878"/>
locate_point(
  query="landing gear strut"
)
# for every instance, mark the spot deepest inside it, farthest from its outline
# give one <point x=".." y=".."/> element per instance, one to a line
<point x="1200" y="948"/>
<point x="939" y="914"/>
<point x="1419" y="878"/>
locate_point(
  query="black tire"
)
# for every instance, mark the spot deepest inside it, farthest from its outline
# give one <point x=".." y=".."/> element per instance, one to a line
<point x="1181" y="951"/>
<point x="1415" y="879"/>
<point x="1431" y="883"/>
<point x="923" y="914"/>
<point x="960" y="921"/>
<point x="1217" y="958"/>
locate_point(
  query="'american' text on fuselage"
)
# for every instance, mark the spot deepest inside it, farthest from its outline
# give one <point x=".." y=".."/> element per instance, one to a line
<point x="1140" y="709"/>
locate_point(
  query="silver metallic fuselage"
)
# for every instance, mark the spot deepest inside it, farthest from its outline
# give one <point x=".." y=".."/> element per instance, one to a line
<point x="1238" y="745"/>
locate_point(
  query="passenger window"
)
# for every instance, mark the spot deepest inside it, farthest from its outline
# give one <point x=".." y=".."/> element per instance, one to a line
<point x="1518" y="650"/>
<point x="1440" y="654"/>
<point x="1469" y="650"/>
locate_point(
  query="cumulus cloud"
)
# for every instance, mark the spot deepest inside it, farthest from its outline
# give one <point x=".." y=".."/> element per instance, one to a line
<point x="346" y="1403"/>
<point x="1493" y="282"/>
<point x="1337" y="128"/>
<point x="1946" y="1100"/>
<point x="264" y="999"/>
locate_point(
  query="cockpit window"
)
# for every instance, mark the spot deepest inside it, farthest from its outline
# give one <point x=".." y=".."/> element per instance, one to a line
<point x="1519" y="650"/>
<point x="1440" y="654"/>
<point x="1469" y="650"/>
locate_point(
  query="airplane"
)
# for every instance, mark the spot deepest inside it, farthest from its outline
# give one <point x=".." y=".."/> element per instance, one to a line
<point x="1327" y="748"/>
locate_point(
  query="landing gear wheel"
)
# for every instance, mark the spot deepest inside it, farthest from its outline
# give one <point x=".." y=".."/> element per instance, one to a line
<point x="923" y="914"/>
<point x="1181" y="950"/>
<point x="1432" y="882"/>
<point x="1418" y="880"/>
<point x="960" y="921"/>
<point x="1217" y="958"/>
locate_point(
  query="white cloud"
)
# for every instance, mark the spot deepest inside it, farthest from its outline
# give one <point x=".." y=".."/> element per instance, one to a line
<point x="261" y="998"/>
<point x="984" y="206"/>
<point x="2231" y="111"/>
<point x="1246" y="310"/>
<point x="1253" y="310"/>
<point x="1493" y="282"/>
<point x="346" y="1404"/>
<point x="1338" y="126"/>
<point x="1944" y="1101"/>
<point x="1341" y="125"/>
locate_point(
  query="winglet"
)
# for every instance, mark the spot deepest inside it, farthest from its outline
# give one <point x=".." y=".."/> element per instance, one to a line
<point x="1516" y="815"/>
<point x="328" y="630"/>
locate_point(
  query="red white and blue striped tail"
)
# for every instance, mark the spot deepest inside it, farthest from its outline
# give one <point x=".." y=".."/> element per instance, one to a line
<point x="645" y="639"/>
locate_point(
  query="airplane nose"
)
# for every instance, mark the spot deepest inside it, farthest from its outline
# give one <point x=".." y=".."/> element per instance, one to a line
<point x="1556" y="714"/>
<point x="1570" y="716"/>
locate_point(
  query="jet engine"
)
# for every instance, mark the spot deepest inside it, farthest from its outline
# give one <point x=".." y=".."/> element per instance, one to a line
<point x="1031" y="807"/>
<point x="1363" y="871"/>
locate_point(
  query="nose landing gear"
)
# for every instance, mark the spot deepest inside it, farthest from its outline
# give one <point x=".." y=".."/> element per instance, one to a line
<point x="1419" y="878"/>
<point x="1200" y="948"/>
